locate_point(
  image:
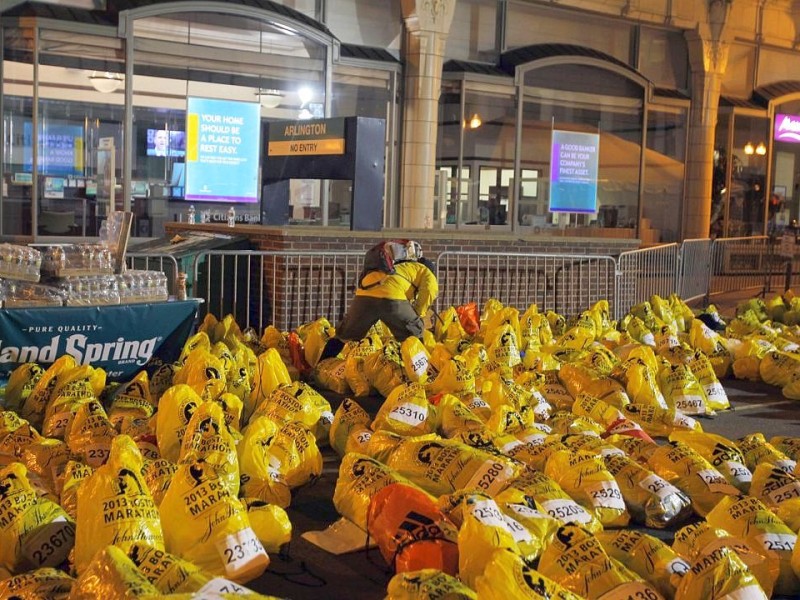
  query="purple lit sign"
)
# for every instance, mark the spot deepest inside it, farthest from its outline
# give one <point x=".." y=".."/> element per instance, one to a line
<point x="787" y="128"/>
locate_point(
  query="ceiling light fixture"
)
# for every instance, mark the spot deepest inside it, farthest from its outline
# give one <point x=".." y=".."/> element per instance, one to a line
<point x="270" y="98"/>
<point x="761" y="149"/>
<point x="106" y="82"/>
<point x="748" y="148"/>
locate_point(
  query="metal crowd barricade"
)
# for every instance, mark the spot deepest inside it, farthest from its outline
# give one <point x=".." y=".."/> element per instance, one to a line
<point x="694" y="269"/>
<point x="155" y="262"/>
<point x="643" y="273"/>
<point x="743" y="263"/>
<point x="284" y="289"/>
<point x="564" y="283"/>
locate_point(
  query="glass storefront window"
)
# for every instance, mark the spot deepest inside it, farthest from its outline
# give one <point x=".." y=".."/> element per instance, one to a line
<point x="664" y="173"/>
<point x="557" y="97"/>
<point x="747" y="211"/>
<point x="217" y="57"/>
<point x="785" y="193"/>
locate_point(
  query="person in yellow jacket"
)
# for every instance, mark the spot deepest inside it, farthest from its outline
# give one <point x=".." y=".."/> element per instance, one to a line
<point x="399" y="299"/>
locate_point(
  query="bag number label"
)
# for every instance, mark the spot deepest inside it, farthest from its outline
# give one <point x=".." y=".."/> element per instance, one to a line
<point x="239" y="550"/>
<point x="658" y="486"/>
<point x="408" y="413"/>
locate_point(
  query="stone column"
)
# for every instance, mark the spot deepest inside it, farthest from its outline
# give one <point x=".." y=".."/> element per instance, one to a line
<point x="708" y="56"/>
<point x="427" y="25"/>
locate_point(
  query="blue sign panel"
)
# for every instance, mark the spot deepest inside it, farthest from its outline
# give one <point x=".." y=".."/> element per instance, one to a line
<point x="222" y="144"/>
<point x="573" y="172"/>
<point x="121" y="339"/>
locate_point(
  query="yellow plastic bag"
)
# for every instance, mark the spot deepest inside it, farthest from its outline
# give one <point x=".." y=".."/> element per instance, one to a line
<point x="316" y="336"/>
<point x="580" y="379"/>
<point x="207" y="439"/>
<point x="780" y="491"/>
<point x="259" y="478"/>
<point x="748" y="518"/>
<point x="441" y="466"/>
<point x="508" y="576"/>
<point x="584" y="477"/>
<point x="384" y="369"/>
<point x="270" y="522"/>
<point x="647" y="556"/>
<point x="175" y="409"/>
<point x="47" y="582"/>
<point x="576" y="560"/>
<point x="329" y="375"/>
<point x="270" y="373"/>
<point x="651" y="500"/>
<point x="204" y="373"/>
<point x="75" y="473"/>
<point x="20" y="384"/>
<point x="167" y="572"/>
<point x="158" y="475"/>
<point x="640" y="382"/>
<point x="700" y="539"/>
<point x="537" y="490"/>
<point x="406" y="411"/>
<point x="132" y="399"/>
<point x="199" y="340"/>
<point x="206" y="524"/>
<point x="692" y="474"/>
<point x="456" y="418"/>
<point x="416" y="360"/>
<point x="34" y="405"/>
<point x="790" y="446"/>
<point x="777" y="368"/>
<point x="293" y="452"/>
<point x="682" y="390"/>
<point x="720" y="574"/>
<point x="112" y="575"/>
<point x="427" y="584"/>
<point x="90" y="434"/>
<point x="232" y="408"/>
<point x="73" y="387"/>
<point x="34" y="532"/>
<point x="455" y="377"/>
<point x="721" y="453"/>
<point x="350" y="429"/>
<point x="661" y="422"/>
<point x="161" y="380"/>
<point x="115" y="506"/>
<point x="756" y="450"/>
<point x="702" y="368"/>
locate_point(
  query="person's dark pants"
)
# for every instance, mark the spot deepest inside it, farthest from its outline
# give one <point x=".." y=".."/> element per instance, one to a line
<point x="398" y="315"/>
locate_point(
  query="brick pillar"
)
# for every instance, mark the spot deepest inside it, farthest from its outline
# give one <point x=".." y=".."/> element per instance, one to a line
<point x="708" y="56"/>
<point x="427" y="24"/>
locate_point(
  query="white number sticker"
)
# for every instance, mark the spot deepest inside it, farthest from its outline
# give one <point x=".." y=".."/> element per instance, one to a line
<point x="658" y="486"/>
<point x="409" y="413"/>
<point x="715" y="482"/>
<point x="605" y="494"/>
<point x="239" y="551"/>
<point x="566" y="511"/>
<point x="490" y="477"/>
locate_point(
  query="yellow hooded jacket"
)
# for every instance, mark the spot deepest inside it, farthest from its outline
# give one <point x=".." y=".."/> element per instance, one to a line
<point x="411" y="281"/>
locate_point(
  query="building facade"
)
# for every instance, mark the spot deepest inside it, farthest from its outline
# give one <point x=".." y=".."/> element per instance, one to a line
<point x="694" y="104"/>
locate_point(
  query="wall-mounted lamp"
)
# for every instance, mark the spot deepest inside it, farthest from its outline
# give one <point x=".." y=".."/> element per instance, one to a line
<point x="748" y="148"/>
<point x="106" y="82"/>
<point x="761" y="149"/>
<point x="475" y="121"/>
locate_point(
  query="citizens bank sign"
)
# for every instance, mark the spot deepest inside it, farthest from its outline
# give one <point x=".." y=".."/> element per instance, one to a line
<point x="787" y="128"/>
<point x="120" y="339"/>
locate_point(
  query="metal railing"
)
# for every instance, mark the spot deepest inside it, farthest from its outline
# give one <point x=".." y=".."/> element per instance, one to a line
<point x="284" y="289"/>
<point x="563" y="283"/>
<point x="643" y="273"/>
<point x="742" y="263"/>
<point x="155" y="262"/>
<point x="694" y="264"/>
<point x="287" y="289"/>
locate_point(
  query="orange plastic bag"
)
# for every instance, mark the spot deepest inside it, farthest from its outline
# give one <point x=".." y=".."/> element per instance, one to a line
<point x="469" y="318"/>
<point x="411" y="532"/>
